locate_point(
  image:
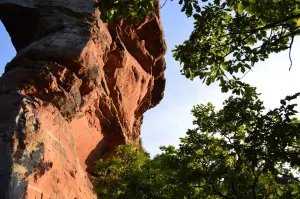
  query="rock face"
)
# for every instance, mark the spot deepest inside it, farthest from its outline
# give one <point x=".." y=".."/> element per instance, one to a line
<point x="76" y="89"/>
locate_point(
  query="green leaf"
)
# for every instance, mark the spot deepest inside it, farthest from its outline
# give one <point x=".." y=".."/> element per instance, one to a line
<point x="240" y="8"/>
<point x="279" y="192"/>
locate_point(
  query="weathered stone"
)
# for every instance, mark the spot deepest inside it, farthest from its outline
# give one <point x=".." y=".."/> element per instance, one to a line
<point x="76" y="89"/>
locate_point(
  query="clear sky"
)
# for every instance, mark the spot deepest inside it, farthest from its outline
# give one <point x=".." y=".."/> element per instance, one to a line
<point x="164" y="124"/>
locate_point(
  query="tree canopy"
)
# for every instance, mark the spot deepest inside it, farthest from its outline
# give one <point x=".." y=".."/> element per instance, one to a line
<point x="229" y="36"/>
<point x="240" y="151"/>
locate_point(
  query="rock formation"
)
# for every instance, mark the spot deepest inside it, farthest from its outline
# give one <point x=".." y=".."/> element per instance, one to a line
<point x="76" y="89"/>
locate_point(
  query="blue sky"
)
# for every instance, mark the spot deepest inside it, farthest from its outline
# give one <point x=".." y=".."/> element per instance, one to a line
<point x="7" y="51"/>
<point x="164" y="124"/>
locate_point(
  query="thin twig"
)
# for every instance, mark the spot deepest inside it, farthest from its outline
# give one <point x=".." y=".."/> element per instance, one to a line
<point x="163" y="4"/>
<point x="250" y="69"/>
<point x="291" y="44"/>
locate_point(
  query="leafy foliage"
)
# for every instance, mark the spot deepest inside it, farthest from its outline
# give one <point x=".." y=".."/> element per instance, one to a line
<point x="125" y="9"/>
<point x="124" y="176"/>
<point x="237" y="152"/>
<point x="230" y="36"/>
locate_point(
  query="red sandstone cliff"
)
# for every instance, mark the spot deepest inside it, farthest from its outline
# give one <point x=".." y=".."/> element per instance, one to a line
<point x="75" y="90"/>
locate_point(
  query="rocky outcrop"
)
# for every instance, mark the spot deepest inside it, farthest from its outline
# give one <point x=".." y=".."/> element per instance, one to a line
<point x="76" y="89"/>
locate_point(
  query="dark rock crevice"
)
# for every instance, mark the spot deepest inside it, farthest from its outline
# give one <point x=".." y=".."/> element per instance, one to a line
<point x="22" y="30"/>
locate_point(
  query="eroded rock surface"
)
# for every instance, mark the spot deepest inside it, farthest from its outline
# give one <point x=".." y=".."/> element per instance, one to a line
<point x="76" y="89"/>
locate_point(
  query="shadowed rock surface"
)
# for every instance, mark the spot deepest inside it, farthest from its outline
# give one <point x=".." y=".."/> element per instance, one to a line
<point x="76" y="89"/>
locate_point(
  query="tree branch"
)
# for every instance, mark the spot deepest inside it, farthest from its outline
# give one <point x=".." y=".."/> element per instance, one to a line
<point x="219" y="193"/>
<point x="255" y="181"/>
<point x="276" y="23"/>
<point x="295" y="179"/>
<point x="234" y="190"/>
<point x="290" y="51"/>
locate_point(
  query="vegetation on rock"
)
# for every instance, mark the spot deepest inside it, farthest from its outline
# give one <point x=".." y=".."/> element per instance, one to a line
<point x="125" y="9"/>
